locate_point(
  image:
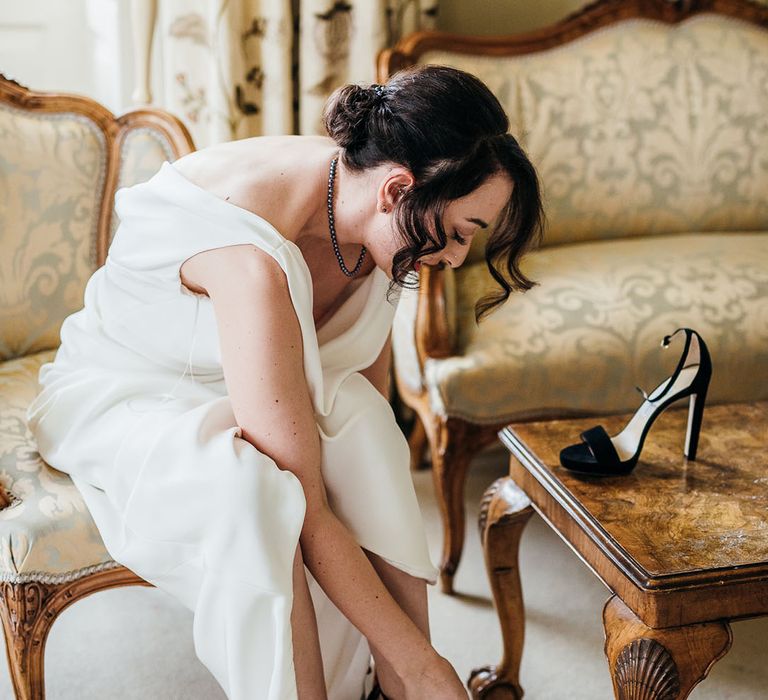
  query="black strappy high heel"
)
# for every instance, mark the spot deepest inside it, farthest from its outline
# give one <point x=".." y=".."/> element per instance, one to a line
<point x="602" y="455"/>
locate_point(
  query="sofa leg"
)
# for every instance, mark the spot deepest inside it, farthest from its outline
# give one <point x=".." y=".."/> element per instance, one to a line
<point x="27" y="618"/>
<point x="417" y="441"/>
<point x="450" y="459"/>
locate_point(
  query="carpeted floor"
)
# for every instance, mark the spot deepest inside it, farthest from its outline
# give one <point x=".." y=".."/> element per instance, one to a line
<point x="136" y="643"/>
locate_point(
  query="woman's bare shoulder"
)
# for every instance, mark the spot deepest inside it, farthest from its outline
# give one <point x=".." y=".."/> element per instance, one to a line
<point x="271" y="176"/>
<point x="277" y="177"/>
<point x="227" y="267"/>
<point x="257" y="172"/>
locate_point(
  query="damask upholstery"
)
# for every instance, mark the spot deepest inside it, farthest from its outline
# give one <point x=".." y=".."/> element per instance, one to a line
<point x="53" y="167"/>
<point x="642" y="128"/>
<point x="46" y="532"/>
<point x="650" y="142"/>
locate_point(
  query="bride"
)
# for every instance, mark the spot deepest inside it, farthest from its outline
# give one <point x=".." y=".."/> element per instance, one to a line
<point x="410" y="172"/>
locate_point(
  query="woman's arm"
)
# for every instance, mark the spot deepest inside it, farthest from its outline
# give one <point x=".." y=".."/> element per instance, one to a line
<point x="262" y="358"/>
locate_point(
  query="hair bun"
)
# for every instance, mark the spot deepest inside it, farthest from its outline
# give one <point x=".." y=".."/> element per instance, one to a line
<point x="347" y="112"/>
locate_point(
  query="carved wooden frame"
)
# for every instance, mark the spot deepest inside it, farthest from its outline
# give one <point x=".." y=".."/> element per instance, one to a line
<point x="28" y="609"/>
<point x="584" y="21"/>
<point x="454" y="441"/>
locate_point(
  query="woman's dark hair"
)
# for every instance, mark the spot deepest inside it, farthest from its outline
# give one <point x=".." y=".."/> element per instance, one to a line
<point x="450" y="131"/>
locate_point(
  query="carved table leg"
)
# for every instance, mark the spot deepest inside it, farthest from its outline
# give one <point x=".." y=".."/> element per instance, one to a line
<point x="659" y="664"/>
<point x="503" y="516"/>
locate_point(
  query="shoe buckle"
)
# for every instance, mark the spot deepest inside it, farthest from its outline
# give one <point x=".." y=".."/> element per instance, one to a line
<point x="668" y="338"/>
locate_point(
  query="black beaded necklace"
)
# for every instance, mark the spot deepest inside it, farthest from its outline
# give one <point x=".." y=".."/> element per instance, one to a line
<point x="344" y="268"/>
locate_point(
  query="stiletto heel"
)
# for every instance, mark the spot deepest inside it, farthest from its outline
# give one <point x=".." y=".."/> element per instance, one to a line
<point x="602" y="455"/>
<point x="695" y="414"/>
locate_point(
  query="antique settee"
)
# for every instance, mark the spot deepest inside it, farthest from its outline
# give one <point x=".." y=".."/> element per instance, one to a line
<point x="647" y="121"/>
<point x="62" y="157"/>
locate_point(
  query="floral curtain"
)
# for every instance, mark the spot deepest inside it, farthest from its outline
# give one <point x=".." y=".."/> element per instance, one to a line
<point x="238" y="68"/>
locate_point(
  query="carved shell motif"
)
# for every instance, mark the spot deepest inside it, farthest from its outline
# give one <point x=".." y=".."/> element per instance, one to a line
<point x="645" y="670"/>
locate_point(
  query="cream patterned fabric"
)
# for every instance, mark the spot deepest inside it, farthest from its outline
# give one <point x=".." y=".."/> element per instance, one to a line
<point x="229" y="69"/>
<point x="52" y="170"/>
<point x="590" y="332"/>
<point x="141" y="154"/>
<point x="642" y="128"/>
<point x="46" y="533"/>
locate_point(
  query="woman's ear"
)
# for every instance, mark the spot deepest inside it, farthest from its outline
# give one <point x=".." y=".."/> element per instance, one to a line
<point x="394" y="185"/>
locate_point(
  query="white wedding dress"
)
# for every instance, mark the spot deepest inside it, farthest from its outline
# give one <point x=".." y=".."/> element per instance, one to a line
<point x="134" y="407"/>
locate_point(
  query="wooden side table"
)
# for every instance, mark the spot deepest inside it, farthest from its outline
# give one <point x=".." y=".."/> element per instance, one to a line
<point x="682" y="546"/>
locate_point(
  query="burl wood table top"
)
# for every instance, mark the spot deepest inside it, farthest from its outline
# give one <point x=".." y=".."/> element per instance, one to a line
<point x="673" y="534"/>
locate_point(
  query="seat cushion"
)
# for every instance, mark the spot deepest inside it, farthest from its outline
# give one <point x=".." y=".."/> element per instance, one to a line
<point x="46" y="532"/>
<point x="580" y="342"/>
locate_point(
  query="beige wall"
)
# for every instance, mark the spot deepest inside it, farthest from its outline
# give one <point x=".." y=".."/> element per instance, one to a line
<point x="501" y="16"/>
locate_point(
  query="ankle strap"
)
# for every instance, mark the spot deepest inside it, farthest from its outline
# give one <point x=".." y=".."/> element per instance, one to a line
<point x="667" y="339"/>
<point x="703" y="359"/>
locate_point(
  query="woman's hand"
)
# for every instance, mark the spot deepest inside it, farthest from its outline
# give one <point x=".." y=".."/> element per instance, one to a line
<point x="437" y="680"/>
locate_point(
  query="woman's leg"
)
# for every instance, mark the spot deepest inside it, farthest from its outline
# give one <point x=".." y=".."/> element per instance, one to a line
<point x="307" y="659"/>
<point x="410" y="593"/>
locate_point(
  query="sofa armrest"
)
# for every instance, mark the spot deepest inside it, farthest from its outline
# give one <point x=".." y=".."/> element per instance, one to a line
<point x="435" y="314"/>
